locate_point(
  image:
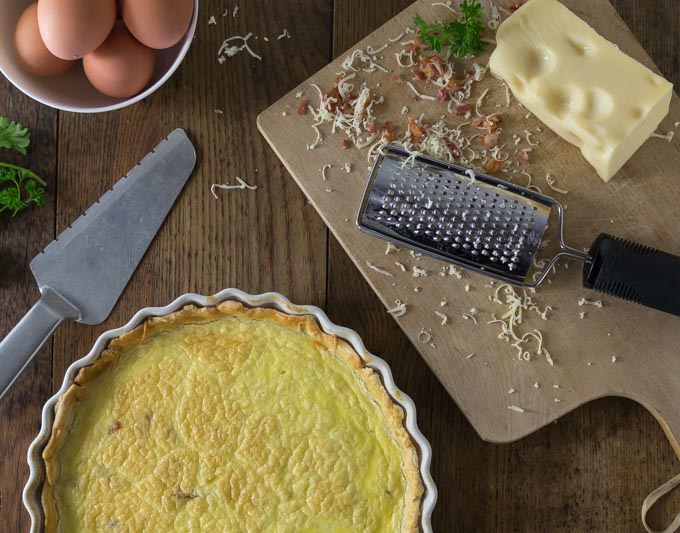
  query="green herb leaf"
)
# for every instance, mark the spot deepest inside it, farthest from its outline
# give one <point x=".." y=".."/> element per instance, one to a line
<point x="14" y="135"/>
<point x="19" y="187"/>
<point x="463" y="36"/>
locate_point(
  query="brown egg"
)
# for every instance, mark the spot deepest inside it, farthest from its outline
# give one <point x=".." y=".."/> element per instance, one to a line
<point x="73" y="28"/>
<point x="31" y="50"/>
<point x="158" y="23"/>
<point x="121" y="67"/>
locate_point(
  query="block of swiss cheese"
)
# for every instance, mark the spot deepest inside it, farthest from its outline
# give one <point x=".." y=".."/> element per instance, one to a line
<point x="579" y="84"/>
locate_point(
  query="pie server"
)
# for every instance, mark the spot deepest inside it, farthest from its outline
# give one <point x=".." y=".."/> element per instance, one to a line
<point x="496" y="228"/>
<point x="83" y="272"/>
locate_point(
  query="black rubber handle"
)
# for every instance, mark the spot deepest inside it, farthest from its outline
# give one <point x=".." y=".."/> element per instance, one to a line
<point x="634" y="272"/>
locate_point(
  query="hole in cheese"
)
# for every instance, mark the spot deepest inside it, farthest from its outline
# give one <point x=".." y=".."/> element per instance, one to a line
<point x="598" y="104"/>
<point x="577" y="46"/>
<point x="534" y="62"/>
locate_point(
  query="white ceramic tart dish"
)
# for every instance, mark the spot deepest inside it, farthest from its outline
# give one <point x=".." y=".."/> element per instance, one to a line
<point x="217" y="447"/>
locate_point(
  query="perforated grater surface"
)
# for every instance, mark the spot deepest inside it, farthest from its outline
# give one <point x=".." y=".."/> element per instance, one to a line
<point x="496" y="228"/>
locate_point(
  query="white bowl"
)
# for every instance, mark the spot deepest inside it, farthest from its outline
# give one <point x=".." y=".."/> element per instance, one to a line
<point x="33" y="488"/>
<point x="72" y="91"/>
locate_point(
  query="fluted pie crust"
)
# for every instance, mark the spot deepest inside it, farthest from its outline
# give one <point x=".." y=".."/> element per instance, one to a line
<point x="228" y="418"/>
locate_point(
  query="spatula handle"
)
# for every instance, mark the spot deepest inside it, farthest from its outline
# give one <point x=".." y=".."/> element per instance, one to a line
<point x="23" y="342"/>
<point x="634" y="272"/>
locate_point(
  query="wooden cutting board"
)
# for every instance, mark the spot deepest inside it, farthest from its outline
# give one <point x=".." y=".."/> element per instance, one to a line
<point x="618" y="350"/>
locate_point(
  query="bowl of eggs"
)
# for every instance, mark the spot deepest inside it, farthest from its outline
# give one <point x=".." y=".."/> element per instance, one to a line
<point x="91" y="56"/>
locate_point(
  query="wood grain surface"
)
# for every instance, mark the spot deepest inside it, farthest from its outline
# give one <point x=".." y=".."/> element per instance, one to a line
<point x="588" y="472"/>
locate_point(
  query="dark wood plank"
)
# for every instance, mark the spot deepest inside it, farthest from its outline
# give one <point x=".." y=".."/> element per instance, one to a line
<point x="588" y="472"/>
<point x="21" y="238"/>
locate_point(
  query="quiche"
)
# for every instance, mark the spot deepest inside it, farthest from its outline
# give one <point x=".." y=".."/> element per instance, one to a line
<point x="230" y="419"/>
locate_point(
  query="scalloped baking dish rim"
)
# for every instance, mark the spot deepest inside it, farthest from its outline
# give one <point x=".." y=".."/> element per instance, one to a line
<point x="33" y="488"/>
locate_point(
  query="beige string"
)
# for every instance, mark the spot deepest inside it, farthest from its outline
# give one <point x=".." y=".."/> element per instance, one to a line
<point x="654" y="497"/>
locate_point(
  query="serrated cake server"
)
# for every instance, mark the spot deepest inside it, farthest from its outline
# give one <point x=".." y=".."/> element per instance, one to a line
<point x="496" y="228"/>
<point x="83" y="272"/>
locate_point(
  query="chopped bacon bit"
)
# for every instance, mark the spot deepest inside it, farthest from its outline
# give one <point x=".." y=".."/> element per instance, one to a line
<point x="443" y="95"/>
<point x="346" y="144"/>
<point x="453" y="148"/>
<point x="115" y="427"/>
<point x="514" y="6"/>
<point x="418" y="73"/>
<point x="469" y="74"/>
<point x="417" y="131"/>
<point x="522" y="156"/>
<point x="489" y="123"/>
<point x="415" y="45"/>
<point x="493" y="165"/>
<point x="333" y="98"/>
<point x="387" y="133"/>
<point x="302" y="107"/>
<point x="464" y="108"/>
<point x="431" y="67"/>
<point x="397" y="77"/>
<point x="491" y="139"/>
<point x="370" y="127"/>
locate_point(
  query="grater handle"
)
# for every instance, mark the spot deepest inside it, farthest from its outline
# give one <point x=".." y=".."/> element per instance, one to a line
<point x="634" y="272"/>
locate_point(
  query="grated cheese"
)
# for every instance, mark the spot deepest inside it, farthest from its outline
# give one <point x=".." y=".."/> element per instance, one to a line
<point x="324" y="174"/>
<point x="479" y="102"/>
<point x="400" y="265"/>
<point x="378" y="269"/>
<point x="212" y="20"/>
<point x="241" y="185"/>
<point x="391" y="248"/>
<point x="447" y="6"/>
<point x="512" y="391"/>
<point x="424" y="336"/>
<point x="419" y="95"/>
<point x="594" y="303"/>
<point x="442" y="316"/>
<point x="470" y="356"/>
<point x="551" y="183"/>
<point x="398" y="310"/>
<point x="667" y="136"/>
<point x="468" y="316"/>
<point x="516" y="408"/>
<point x="614" y="359"/>
<point x="227" y="50"/>
<point x="417" y="272"/>
<point x="285" y="33"/>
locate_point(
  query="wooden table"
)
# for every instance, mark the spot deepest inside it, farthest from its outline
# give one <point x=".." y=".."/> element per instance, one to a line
<point x="589" y="472"/>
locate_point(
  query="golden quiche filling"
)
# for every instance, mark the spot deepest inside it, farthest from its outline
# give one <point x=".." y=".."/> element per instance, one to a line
<point x="230" y="419"/>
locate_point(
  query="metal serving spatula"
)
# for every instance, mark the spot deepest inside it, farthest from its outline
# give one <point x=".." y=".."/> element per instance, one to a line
<point x="83" y="272"/>
<point x="496" y="228"/>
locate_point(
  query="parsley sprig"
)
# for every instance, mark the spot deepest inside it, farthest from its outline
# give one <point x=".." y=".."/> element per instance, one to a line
<point x="463" y="36"/>
<point x="19" y="186"/>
